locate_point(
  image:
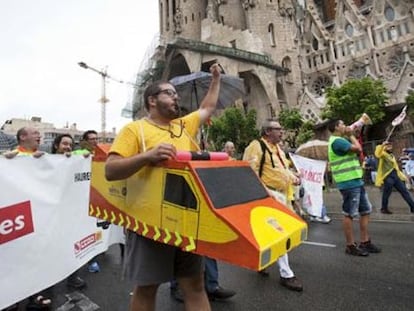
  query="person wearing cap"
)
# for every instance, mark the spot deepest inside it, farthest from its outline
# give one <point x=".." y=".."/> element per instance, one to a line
<point x="390" y="176"/>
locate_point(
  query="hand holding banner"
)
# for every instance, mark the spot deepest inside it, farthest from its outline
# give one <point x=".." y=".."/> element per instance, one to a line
<point x="312" y="172"/>
<point x="44" y="223"/>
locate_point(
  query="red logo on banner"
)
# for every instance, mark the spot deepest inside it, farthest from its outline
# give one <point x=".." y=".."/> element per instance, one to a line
<point x="87" y="241"/>
<point x="15" y="221"/>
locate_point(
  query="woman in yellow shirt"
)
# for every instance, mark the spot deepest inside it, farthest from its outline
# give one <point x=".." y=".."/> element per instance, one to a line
<point x="389" y="176"/>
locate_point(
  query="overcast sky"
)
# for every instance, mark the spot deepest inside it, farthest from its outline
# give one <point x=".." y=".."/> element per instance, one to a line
<point x="43" y="40"/>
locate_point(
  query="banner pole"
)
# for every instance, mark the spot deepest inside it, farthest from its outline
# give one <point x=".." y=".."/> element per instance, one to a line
<point x="390" y="133"/>
<point x="397" y="121"/>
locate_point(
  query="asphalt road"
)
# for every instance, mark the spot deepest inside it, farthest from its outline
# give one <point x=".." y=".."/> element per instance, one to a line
<point x="332" y="280"/>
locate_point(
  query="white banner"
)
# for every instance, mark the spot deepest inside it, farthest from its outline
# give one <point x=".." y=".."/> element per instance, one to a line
<point x="398" y="120"/>
<point x="311" y="172"/>
<point x="45" y="231"/>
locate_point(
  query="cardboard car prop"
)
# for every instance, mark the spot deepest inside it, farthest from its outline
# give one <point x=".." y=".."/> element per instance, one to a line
<point x="214" y="208"/>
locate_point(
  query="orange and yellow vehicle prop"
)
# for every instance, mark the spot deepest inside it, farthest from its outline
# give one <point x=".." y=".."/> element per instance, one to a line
<point x="214" y="208"/>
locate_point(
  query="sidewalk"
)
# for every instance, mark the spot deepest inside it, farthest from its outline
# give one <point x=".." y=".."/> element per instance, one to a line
<point x="400" y="209"/>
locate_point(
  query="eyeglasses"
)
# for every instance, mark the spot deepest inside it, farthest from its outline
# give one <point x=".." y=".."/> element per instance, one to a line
<point x="275" y="128"/>
<point x="168" y="92"/>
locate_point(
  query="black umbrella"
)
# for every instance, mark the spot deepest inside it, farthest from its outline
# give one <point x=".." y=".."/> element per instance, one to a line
<point x="193" y="87"/>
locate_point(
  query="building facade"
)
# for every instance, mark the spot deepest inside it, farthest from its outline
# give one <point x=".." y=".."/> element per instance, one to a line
<point x="287" y="51"/>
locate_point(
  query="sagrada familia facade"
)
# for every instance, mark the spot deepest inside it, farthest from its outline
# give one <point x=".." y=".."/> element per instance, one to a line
<point x="288" y="51"/>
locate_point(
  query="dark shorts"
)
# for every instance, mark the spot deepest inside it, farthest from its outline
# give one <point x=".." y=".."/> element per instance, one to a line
<point x="355" y="202"/>
<point x="148" y="262"/>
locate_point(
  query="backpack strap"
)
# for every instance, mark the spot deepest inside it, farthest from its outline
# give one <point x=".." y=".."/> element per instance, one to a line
<point x="262" y="160"/>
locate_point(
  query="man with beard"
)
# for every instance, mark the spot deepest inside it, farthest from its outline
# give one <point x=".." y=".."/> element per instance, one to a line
<point x="138" y="147"/>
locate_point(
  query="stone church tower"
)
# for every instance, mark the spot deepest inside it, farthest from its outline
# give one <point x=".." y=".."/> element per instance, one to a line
<point x="289" y="51"/>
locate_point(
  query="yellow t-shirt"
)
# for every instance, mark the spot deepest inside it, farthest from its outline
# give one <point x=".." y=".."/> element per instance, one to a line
<point x="21" y="151"/>
<point x="387" y="163"/>
<point x="278" y="178"/>
<point x="142" y="135"/>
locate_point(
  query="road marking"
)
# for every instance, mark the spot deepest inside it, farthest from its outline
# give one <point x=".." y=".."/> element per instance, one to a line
<point x="319" y="244"/>
<point x="78" y="301"/>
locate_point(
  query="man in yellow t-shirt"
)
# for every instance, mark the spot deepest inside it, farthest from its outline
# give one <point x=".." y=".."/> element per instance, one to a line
<point x="273" y="169"/>
<point x="139" y="146"/>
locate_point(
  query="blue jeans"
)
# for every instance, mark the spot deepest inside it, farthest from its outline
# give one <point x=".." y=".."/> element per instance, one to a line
<point x="355" y="201"/>
<point x="391" y="181"/>
<point x="210" y="275"/>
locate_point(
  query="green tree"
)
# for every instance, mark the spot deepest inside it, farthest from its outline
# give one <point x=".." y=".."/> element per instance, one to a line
<point x="409" y="99"/>
<point x="356" y="96"/>
<point x="233" y="125"/>
<point x="306" y="133"/>
<point x="297" y="131"/>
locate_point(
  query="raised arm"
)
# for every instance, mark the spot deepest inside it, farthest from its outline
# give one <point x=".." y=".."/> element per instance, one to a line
<point x="379" y="150"/>
<point x="209" y="102"/>
<point x="355" y="145"/>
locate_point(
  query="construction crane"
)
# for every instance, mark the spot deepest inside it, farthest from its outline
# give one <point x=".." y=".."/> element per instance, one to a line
<point x="103" y="100"/>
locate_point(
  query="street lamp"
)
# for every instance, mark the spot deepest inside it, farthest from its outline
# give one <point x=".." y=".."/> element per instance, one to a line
<point x="103" y="100"/>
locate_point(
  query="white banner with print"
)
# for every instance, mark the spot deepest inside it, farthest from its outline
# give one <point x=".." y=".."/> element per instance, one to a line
<point x="45" y="231"/>
<point x="311" y="172"/>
